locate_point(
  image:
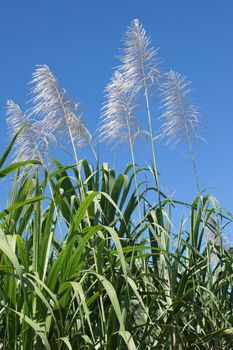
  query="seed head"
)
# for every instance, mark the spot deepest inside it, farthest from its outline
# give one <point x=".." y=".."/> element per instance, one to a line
<point x="139" y="61"/>
<point x="32" y="142"/>
<point x="118" y="122"/>
<point x="181" y="117"/>
<point x="59" y="114"/>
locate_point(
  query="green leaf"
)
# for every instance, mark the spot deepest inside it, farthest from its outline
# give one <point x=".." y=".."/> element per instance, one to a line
<point x="7" y="211"/>
<point x="9" y="147"/>
<point x="16" y="166"/>
<point x="128" y="339"/>
<point x="39" y="330"/>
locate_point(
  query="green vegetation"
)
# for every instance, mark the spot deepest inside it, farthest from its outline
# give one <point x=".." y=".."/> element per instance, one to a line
<point x="92" y="259"/>
<point x="102" y="285"/>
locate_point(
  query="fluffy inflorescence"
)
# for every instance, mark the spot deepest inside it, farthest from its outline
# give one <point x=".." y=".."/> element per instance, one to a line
<point x="52" y="114"/>
<point x="58" y="113"/>
<point x="118" y="122"/>
<point x="139" y="61"/>
<point x="138" y="70"/>
<point x="181" y="117"/>
<point x="32" y="142"/>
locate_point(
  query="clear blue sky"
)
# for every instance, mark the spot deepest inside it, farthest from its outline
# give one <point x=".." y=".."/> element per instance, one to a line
<point x="79" y="41"/>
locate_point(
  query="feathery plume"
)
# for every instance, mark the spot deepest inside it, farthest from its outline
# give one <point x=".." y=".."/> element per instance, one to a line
<point x="139" y="60"/>
<point x="32" y="143"/>
<point x="52" y="105"/>
<point x="118" y="123"/>
<point x="139" y="66"/>
<point x="181" y="117"/>
<point x="75" y="124"/>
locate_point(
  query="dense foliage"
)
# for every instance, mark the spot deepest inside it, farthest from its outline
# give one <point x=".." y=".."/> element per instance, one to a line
<point x="78" y="270"/>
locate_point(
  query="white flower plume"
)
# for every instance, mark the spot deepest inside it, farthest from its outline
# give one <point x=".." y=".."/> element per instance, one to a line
<point x="51" y="104"/>
<point x="32" y="142"/>
<point x="139" y="60"/>
<point x="181" y="117"/>
<point x="118" y="122"/>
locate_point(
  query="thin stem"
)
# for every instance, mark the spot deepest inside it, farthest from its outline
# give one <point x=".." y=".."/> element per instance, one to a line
<point x="155" y="171"/>
<point x="193" y="160"/>
<point x="93" y="151"/>
<point x="82" y="192"/>
<point x="202" y="204"/>
<point x="72" y="140"/>
<point x="79" y="173"/>
<point x="152" y="142"/>
<point x="134" y="169"/>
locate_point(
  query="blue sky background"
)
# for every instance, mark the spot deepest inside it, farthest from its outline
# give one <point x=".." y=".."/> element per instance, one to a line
<point x="79" y="41"/>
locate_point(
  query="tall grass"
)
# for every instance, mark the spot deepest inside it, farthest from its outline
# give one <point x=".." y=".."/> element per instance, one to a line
<point x="113" y="279"/>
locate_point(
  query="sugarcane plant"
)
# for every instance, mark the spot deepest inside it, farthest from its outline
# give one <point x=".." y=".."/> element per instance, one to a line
<point x="91" y="258"/>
